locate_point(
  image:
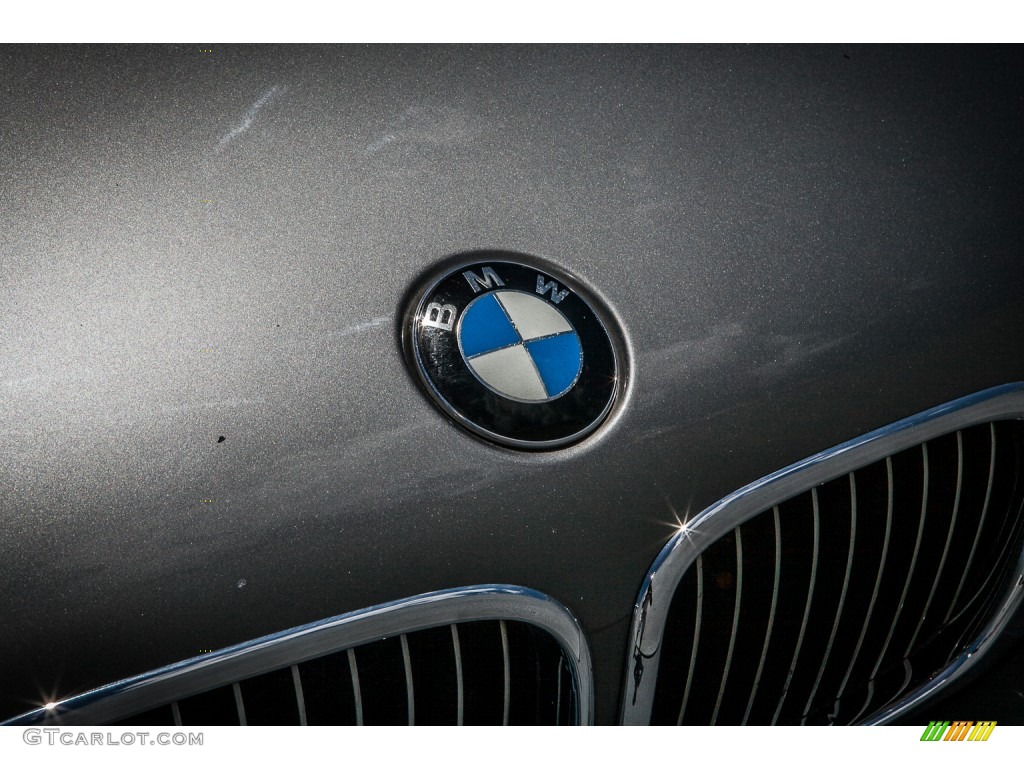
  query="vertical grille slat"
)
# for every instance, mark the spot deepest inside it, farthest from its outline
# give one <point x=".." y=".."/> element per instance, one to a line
<point x="807" y="608"/>
<point x="558" y="693"/>
<point x="735" y="625"/>
<point x="573" y="701"/>
<point x="410" y="703"/>
<point x="696" y="639"/>
<point x="239" y="703"/>
<point x="356" y="692"/>
<point x="771" y="614"/>
<point x="507" y="673"/>
<point x="459" y="695"/>
<point x="850" y="595"/>
<point x="300" y="701"/>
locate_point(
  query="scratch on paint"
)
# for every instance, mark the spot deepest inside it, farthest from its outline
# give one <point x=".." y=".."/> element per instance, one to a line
<point x="382" y="142"/>
<point x="377" y="321"/>
<point x="390" y="131"/>
<point x="248" y="118"/>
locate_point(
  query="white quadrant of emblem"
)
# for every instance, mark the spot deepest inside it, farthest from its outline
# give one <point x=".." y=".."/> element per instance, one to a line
<point x="532" y="317"/>
<point x="520" y="346"/>
<point x="511" y="372"/>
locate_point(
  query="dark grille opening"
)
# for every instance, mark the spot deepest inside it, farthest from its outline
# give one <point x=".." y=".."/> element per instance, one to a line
<point x="479" y="672"/>
<point x="327" y="691"/>
<point x="483" y="673"/>
<point x="845" y="598"/>
<point x="268" y="699"/>
<point x="436" y="682"/>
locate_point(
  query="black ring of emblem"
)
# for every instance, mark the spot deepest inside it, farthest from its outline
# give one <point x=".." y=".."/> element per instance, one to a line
<point x="449" y="381"/>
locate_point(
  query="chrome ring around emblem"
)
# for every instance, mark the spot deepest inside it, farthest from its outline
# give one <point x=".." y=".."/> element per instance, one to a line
<point x="514" y="353"/>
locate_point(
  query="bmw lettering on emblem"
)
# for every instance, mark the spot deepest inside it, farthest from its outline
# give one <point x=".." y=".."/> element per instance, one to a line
<point x="514" y="353"/>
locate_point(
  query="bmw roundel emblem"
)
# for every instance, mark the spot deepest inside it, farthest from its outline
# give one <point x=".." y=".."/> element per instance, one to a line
<point x="514" y="353"/>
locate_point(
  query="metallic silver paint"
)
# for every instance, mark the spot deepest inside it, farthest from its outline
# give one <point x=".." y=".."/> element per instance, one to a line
<point x="800" y="243"/>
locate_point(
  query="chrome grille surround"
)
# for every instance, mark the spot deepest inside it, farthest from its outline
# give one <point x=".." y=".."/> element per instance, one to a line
<point x="282" y="653"/>
<point x="683" y="558"/>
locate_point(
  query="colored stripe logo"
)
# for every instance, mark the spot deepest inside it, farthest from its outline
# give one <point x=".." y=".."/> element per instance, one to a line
<point x="959" y="730"/>
<point x="520" y="346"/>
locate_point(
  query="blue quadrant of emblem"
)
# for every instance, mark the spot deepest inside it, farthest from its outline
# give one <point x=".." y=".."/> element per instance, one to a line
<point x="558" y="359"/>
<point x="485" y="327"/>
